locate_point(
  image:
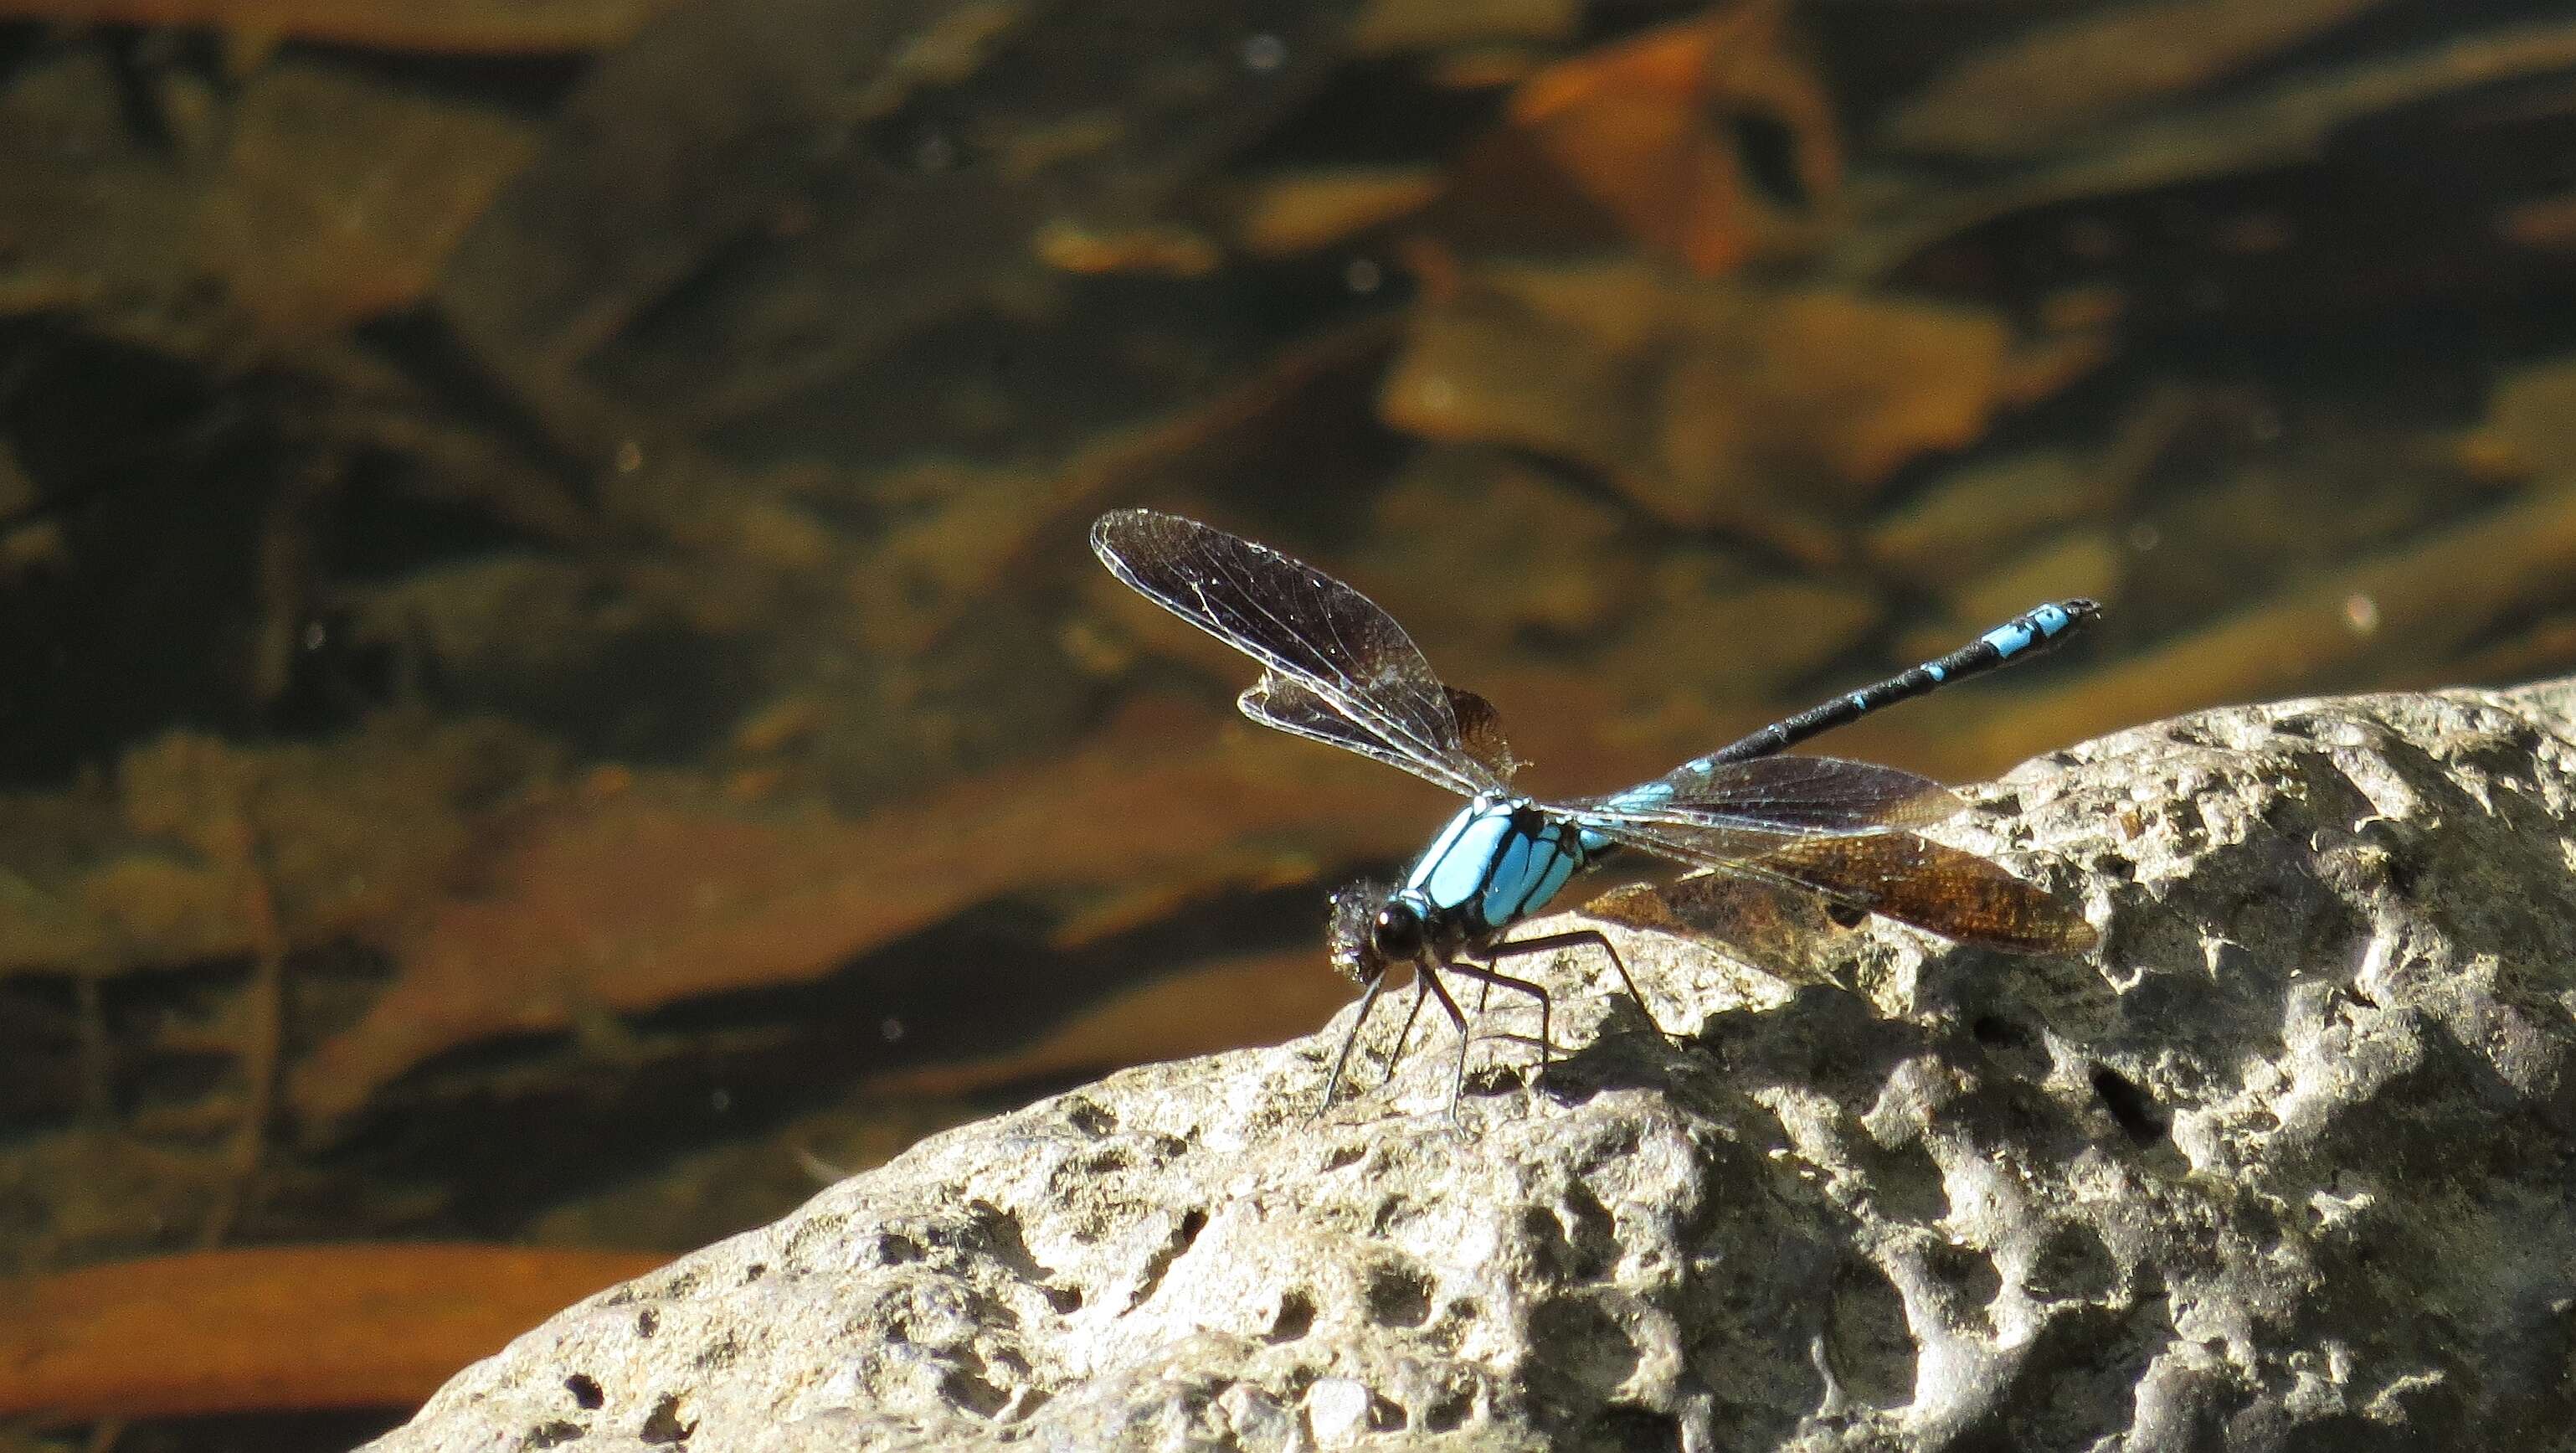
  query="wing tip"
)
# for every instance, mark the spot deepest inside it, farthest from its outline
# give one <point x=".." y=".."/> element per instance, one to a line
<point x="2077" y="937"/>
<point x="2052" y="931"/>
<point x="1111" y="525"/>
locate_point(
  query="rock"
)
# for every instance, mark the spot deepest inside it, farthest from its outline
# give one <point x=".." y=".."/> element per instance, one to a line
<point x="2284" y="1165"/>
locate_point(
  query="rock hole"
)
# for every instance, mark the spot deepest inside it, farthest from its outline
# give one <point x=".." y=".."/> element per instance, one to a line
<point x="1064" y="1299"/>
<point x="724" y="1352"/>
<point x="663" y="1424"/>
<point x="1578" y="1239"/>
<point x="585" y="1392"/>
<point x="1630" y="1426"/>
<point x="1969" y="1271"/>
<point x="1296" y="1318"/>
<point x="2131" y="1106"/>
<point x="893" y="1250"/>
<point x="1584" y="1353"/>
<point x="647" y="1322"/>
<point x="2072" y="1264"/>
<point x="999" y="1231"/>
<point x="1385" y="1416"/>
<point x="1091" y="1119"/>
<point x="1996" y="1032"/>
<point x="754" y="1272"/>
<point x="1449" y="1411"/>
<point x="1399" y="1298"/>
<point x="1161" y="1261"/>
<point x="970" y="1390"/>
<point x="550" y="1435"/>
<point x="1908" y="1185"/>
<point x="1341" y="1156"/>
<point x="1869" y="1348"/>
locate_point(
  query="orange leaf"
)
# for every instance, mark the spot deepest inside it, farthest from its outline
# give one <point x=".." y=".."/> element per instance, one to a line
<point x="1644" y="130"/>
<point x="278" y="1327"/>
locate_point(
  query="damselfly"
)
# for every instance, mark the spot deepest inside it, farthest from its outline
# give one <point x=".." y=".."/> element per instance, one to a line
<point x="1338" y="669"/>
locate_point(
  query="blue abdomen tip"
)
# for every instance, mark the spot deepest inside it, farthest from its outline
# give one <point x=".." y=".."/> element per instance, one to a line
<point x="2017" y="636"/>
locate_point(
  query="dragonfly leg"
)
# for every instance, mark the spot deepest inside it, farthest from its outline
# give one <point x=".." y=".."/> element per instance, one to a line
<point x="1584" y="938"/>
<point x="1421" y="996"/>
<point x="1491" y="977"/>
<point x="1457" y="1016"/>
<point x="1341" y="1061"/>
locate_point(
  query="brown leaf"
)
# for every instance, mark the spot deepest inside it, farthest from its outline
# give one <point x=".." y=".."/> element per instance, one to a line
<point x="344" y="197"/>
<point x="278" y="1327"/>
<point x="1290" y="214"/>
<point x="466" y="26"/>
<point x="2290" y="121"/>
<point x="1770" y="410"/>
<point x="349" y="835"/>
<point x="328" y="199"/>
<point x="2033" y="92"/>
<point x="668" y="890"/>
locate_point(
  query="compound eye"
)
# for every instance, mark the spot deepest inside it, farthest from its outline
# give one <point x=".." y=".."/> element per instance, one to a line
<point x="1398" y="932"/>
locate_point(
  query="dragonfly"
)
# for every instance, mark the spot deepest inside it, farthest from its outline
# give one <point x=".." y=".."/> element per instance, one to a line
<point x="1746" y="822"/>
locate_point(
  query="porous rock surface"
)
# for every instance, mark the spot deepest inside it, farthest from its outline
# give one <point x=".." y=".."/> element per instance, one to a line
<point x="2285" y="1165"/>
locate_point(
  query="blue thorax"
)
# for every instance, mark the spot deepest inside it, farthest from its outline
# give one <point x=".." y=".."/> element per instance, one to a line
<point x="1497" y="862"/>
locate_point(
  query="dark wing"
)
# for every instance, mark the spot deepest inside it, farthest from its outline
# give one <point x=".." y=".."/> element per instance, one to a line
<point x="1707" y="814"/>
<point x="1938" y="889"/>
<point x="1336" y="667"/>
<point x="1715" y="815"/>
<point x="1775" y="795"/>
<point x="1766" y="920"/>
<point x="1913" y="880"/>
<point x="1778" y="927"/>
<point x="1279" y="701"/>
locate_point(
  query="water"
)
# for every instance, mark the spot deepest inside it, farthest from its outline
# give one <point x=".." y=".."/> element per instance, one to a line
<point x="556" y="690"/>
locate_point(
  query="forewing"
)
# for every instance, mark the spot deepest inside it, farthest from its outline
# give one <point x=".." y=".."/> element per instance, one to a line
<point x="1329" y="650"/>
<point x="1781" y="795"/>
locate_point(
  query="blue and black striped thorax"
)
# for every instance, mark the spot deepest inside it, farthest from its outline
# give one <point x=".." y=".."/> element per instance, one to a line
<point x="1497" y="862"/>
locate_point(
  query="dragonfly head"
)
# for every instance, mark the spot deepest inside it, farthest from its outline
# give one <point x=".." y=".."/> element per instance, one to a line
<point x="1373" y="927"/>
